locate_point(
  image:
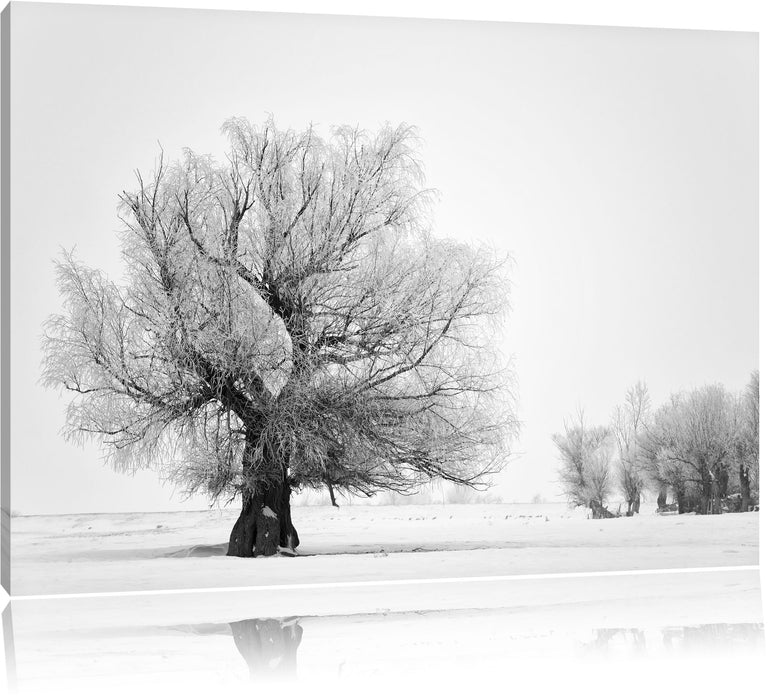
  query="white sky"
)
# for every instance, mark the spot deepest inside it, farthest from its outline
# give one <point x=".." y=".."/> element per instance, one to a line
<point x="617" y="166"/>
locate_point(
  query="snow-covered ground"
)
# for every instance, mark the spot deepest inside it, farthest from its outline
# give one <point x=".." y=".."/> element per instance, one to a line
<point x="153" y="551"/>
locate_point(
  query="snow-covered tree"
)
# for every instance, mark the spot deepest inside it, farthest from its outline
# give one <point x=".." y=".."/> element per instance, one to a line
<point x="690" y="447"/>
<point x="747" y="442"/>
<point x="287" y="320"/>
<point x="585" y="473"/>
<point x="629" y="423"/>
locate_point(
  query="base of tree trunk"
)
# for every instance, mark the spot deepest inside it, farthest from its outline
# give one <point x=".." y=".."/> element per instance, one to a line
<point x="264" y="526"/>
<point x="746" y="493"/>
<point x="707" y="504"/>
<point x="687" y="504"/>
<point x="599" y="512"/>
<point x="633" y="507"/>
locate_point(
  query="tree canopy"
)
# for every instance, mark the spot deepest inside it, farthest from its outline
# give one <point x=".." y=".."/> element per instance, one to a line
<point x="288" y="315"/>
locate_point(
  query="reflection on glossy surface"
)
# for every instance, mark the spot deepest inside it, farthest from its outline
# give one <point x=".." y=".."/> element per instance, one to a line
<point x="268" y="645"/>
<point x="9" y="648"/>
<point x="352" y="633"/>
<point x="720" y="637"/>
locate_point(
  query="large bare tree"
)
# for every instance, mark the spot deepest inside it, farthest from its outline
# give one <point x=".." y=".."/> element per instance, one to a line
<point x="287" y="320"/>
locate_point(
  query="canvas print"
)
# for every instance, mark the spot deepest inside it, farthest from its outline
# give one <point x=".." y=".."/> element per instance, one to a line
<point x="297" y="299"/>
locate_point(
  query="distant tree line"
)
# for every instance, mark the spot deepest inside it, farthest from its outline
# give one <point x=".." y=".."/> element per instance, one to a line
<point x="698" y="452"/>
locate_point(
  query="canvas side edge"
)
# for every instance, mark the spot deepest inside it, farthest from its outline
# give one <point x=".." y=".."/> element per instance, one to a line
<point x="5" y="306"/>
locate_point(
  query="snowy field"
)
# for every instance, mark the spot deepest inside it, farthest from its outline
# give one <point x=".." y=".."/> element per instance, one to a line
<point x="155" y="551"/>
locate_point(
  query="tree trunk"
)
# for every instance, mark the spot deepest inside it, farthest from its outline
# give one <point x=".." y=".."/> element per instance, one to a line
<point x="331" y="494"/>
<point x="746" y="493"/>
<point x="599" y="512"/>
<point x="637" y="504"/>
<point x="705" y="498"/>
<point x="682" y="502"/>
<point x="716" y="500"/>
<point x="662" y="497"/>
<point x="264" y="525"/>
<point x="723" y="477"/>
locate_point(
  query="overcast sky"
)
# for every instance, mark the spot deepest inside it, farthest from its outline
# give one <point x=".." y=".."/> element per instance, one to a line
<point x="618" y="167"/>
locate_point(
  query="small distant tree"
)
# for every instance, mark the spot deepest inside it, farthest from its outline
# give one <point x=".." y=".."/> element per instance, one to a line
<point x="747" y="442"/>
<point x="286" y="320"/>
<point x="585" y="472"/>
<point x="629" y="424"/>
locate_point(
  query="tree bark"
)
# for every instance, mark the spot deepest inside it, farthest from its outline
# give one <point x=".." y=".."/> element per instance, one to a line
<point x="662" y="497"/>
<point x="634" y="503"/>
<point x="264" y="525"/>
<point x="705" y="498"/>
<point x="723" y="477"/>
<point x="746" y="493"/>
<point x="331" y="494"/>
<point x="682" y="502"/>
<point x="716" y="500"/>
<point x="598" y="510"/>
